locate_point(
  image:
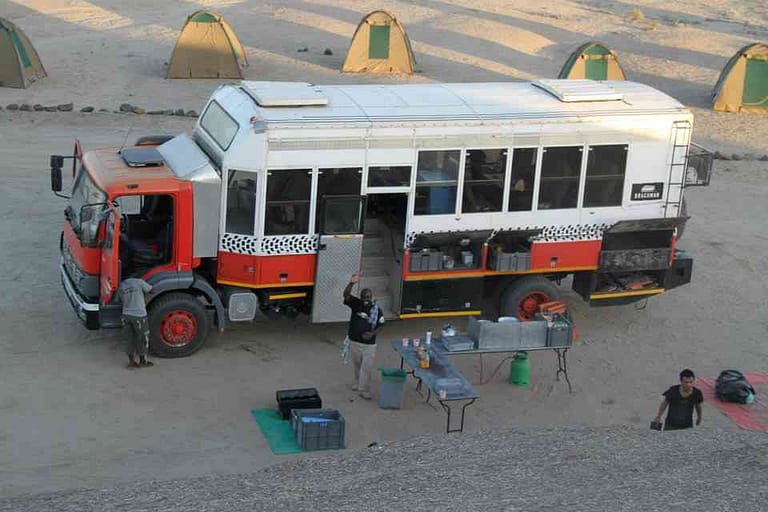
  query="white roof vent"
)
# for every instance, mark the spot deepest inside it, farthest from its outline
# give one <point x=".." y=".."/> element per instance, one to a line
<point x="570" y="91"/>
<point x="284" y="94"/>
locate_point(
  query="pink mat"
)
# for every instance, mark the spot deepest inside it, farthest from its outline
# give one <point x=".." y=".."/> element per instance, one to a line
<point x="753" y="416"/>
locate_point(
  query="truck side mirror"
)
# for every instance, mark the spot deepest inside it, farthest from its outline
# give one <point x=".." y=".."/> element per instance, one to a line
<point x="57" y="162"/>
<point x="56" y="179"/>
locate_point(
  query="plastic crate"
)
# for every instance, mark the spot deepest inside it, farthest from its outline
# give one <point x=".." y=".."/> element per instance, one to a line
<point x="304" y="398"/>
<point x="318" y="429"/>
<point x="510" y="261"/>
<point x="560" y="333"/>
<point x="426" y="261"/>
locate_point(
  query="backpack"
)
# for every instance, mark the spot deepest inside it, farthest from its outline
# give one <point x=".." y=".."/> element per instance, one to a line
<point x="732" y="386"/>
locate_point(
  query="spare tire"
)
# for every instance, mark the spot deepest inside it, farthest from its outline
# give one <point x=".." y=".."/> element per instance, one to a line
<point x="522" y="298"/>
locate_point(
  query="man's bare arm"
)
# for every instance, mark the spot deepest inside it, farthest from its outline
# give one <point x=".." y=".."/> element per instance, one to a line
<point x="352" y="281"/>
<point x="698" y="414"/>
<point x="662" y="408"/>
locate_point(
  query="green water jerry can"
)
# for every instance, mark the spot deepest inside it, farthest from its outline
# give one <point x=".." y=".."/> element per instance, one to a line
<point x="520" y="370"/>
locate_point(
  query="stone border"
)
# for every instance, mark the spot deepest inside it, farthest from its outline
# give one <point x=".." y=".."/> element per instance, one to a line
<point x="125" y="108"/>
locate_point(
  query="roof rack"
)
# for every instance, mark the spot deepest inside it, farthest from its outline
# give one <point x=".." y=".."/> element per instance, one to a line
<point x="571" y="91"/>
<point x="284" y="94"/>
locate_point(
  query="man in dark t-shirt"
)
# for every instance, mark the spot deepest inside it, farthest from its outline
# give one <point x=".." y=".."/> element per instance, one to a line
<point x="366" y="318"/>
<point x="681" y="400"/>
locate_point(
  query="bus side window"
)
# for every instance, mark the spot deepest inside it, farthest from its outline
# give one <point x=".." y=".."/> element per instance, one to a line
<point x="288" y="199"/>
<point x="560" y="172"/>
<point x="337" y="181"/>
<point x="484" y="180"/>
<point x="437" y="179"/>
<point x="241" y="202"/>
<point x="606" y="167"/>
<point x="522" y="179"/>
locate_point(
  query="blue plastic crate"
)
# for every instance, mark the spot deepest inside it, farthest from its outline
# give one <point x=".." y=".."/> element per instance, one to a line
<point x="318" y="429"/>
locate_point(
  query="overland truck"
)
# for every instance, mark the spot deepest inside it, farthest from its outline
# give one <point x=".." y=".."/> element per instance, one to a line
<point x="453" y="200"/>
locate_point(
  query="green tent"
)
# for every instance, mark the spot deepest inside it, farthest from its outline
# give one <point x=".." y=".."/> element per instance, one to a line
<point x="743" y="83"/>
<point x="19" y="63"/>
<point x="593" y="61"/>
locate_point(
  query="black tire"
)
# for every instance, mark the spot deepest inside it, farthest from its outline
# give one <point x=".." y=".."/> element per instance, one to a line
<point x="537" y="288"/>
<point x="181" y="310"/>
<point x="683" y="213"/>
<point x="152" y="140"/>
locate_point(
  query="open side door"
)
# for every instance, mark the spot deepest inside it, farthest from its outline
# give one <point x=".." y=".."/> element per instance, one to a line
<point x="339" y="253"/>
<point x="110" y="258"/>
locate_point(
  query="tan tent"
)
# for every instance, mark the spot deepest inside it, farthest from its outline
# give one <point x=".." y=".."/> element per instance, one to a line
<point x="207" y="48"/>
<point x="593" y="61"/>
<point x="19" y="63"/>
<point x="743" y="84"/>
<point x="380" y="45"/>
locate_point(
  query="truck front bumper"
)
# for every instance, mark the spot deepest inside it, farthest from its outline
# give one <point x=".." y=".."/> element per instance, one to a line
<point x="87" y="312"/>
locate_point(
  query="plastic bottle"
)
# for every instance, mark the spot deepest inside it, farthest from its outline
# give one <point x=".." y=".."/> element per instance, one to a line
<point x="424" y="363"/>
<point x="428" y="339"/>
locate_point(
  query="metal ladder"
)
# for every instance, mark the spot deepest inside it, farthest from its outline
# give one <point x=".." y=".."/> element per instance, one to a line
<point x="681" y="136"/>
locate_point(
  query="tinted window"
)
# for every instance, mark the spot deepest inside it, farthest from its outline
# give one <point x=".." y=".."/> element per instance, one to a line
<point x="522" y="179"/>
<point x="287" y="208"/>
<point x="241" y="202"/>
<point x="399" y="176"/>
<point x="337" y="182"/>
<point x="341" y="215"/>
<point x="219" y="125"/>
<point x="437" y="178"/>
<point x="484" y="180"/>
<point x="606" y="166"/>
<point x="560" y="170"/>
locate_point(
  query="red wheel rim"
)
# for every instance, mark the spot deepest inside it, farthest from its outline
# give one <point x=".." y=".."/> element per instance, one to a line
<point x="529" y="305"/>
<point x="178" y="328"/>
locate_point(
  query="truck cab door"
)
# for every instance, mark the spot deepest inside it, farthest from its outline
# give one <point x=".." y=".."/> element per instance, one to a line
<point x="339" y="253"/>
<point x="110" y="257"/>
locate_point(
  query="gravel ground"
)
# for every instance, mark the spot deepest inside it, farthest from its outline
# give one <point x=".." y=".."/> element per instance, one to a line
<point x="575" y="469"/>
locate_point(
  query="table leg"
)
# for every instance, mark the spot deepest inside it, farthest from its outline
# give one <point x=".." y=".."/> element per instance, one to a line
<point x="562" y="367"/>
<point x="447" y="409"/>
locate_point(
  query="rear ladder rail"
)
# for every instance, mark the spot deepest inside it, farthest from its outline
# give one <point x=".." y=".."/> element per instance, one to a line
<point x="681" y="137"/>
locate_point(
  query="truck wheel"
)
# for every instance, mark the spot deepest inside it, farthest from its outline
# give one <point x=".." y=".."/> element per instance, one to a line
<point x="178" y="325"/>
<point x="152" y="140"/>
<point x="521" y="299"/>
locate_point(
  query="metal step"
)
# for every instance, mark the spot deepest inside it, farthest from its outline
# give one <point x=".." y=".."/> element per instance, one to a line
<point x="372" y="226"/>
<point x="378" y="284"/>
<point x="373" y="246"/>
<point x="376" y="266"/>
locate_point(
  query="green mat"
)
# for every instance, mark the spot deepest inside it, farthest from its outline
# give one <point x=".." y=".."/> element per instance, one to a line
<point x="276" y="431"/>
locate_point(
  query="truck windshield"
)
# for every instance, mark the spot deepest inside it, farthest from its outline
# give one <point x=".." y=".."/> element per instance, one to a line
<point x="84" y="192"/>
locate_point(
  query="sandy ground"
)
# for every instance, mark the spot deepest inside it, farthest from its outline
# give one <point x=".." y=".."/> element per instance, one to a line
<point x="70" y="416"/>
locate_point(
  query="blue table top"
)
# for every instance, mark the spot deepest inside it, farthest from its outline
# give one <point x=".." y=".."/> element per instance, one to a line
<point x="439" y="346"/>
<point x="440" y="374"/>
